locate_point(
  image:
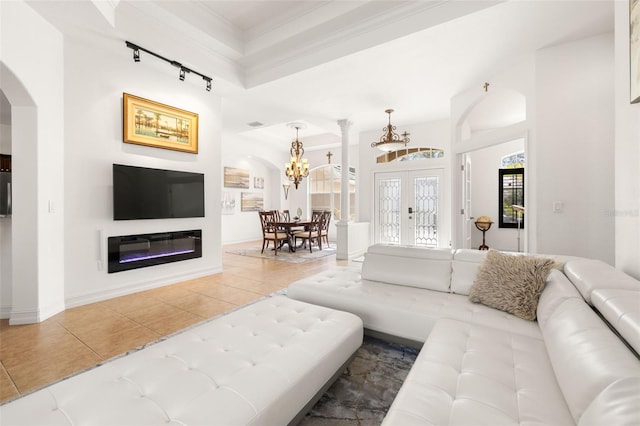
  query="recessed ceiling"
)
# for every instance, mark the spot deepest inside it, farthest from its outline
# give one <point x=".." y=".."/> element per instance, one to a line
<point x="321" y="61"/>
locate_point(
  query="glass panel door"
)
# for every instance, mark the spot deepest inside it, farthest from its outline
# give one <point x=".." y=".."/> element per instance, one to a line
<point x="425" y="200"/>
<point x="388" y="207"/>
<point x="407" y="207"/>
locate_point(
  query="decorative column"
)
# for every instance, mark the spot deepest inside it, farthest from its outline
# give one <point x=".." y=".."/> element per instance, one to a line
<point x="342" y="226"/>
<point x="345" y="125"/>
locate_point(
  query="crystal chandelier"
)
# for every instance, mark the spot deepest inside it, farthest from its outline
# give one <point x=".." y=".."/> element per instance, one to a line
<point x="390" y="140"/>
<point x="298" y="167"/>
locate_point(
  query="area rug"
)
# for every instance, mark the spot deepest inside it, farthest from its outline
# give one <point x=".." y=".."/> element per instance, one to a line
<point x="363" y="394"/>
<point x="299" y="256"/>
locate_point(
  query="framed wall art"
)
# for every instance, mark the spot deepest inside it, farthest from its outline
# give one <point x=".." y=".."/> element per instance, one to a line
<point x="158" y="125"/>
<point x="236" y="178"/>
<point x="228" y="202"/>
<point x="634" y="49"/>
<point x="251" y="201"/>
<point x="258" y="183"/>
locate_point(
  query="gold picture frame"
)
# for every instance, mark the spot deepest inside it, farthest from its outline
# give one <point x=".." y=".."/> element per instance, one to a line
<point x="151" y="123"/>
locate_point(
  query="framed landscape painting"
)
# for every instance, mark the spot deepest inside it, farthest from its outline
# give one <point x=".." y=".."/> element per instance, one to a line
<point x="634" y="49"/>
<point x="251" y="201"/>
<point x="158" y="125"/>
<point x="236" y="178"/>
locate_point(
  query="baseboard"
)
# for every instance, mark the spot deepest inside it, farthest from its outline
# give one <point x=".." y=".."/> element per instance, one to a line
<point x="35" y="316"/>
<point x="5" y="311"/>
<point x="85" y="299"/>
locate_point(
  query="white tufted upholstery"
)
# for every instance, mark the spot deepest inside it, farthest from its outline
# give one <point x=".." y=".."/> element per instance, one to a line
<point x="259" y="365"/>
<point x="407" y="312"/>
<point x="483" y="366"/>
<point x="467" y="374"/>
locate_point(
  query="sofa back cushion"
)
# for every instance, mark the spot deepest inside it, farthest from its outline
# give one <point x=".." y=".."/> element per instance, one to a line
<point x="587" y="357"/>
<point x="590" y="274"/>
<point x="428" y="268"/>
<point x="621" y="308"/>
<point x="465" y="268"/>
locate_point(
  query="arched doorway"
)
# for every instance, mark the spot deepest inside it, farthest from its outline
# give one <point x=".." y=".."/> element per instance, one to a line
<point x="494" y="119"/>
<point x="35" y="284"/>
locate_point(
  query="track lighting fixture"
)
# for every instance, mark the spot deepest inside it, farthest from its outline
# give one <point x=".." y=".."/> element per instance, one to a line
<point x="183" y="70"/>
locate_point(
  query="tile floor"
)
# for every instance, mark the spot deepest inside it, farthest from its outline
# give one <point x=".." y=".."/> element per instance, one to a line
<point x="32" y="356"/>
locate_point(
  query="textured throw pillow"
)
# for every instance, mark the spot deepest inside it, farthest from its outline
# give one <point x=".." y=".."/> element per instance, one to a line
<point x="511" y="283"/>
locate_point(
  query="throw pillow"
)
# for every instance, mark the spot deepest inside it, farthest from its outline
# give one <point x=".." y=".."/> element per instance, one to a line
<point x="511" y="283"/>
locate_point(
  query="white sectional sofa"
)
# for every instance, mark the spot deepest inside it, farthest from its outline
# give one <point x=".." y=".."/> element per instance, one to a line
<point x="576" y="364"/>
<point x="263" y="364"/>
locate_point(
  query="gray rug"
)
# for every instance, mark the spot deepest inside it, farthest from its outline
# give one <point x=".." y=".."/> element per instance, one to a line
<point x="363" y="394"/>
<point x="299" y="256"/>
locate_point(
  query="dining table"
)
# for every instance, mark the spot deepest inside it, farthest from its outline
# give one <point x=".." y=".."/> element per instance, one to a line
<point x="289" y="226"/>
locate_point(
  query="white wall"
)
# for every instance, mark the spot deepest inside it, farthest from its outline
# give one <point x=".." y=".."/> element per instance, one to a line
<point x="626" y="211"/>
<point x="5" y="139"/>
<point x="36" y="97"/>
<point x="484" y="196"/>
<point x="5" y="237"/>
<point x="575" y="140"/>
<point x="97" y="72"/>
<point x="245" y="226"/>
<point x="245" y="153"/>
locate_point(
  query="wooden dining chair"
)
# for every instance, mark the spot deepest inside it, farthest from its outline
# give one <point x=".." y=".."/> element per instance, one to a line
<point x="324" y="228"/>
<point x="311" y="232"/>
<point x="270" y="231"/>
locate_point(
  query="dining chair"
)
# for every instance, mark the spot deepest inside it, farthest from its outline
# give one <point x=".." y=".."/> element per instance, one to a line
<point x="286" y="217"/>
<point x="324" y="228"/>
<point x="270" y="231"/>
<point x="311" y="232"/>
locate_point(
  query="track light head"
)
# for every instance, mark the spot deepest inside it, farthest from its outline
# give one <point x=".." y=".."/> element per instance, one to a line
<point x="136" y="55"/>
<point x="182" y="74"/>
<point x="209" y="85"/>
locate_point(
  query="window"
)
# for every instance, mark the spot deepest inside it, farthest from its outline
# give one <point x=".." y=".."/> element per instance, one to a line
<point x="510" y="194"/>
<point x="325" y="186"/>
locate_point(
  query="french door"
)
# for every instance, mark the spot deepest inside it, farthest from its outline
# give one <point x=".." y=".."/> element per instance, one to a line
<point x="408" y="207"/>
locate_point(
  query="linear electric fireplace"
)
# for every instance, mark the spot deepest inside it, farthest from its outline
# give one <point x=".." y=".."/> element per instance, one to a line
<point x="138" y="251"/>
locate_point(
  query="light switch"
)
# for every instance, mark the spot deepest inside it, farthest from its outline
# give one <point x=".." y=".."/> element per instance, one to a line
<point x="558" y="206"/>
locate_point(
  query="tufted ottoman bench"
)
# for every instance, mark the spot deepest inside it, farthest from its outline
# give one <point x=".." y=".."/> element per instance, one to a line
<point x="263" y="364"/>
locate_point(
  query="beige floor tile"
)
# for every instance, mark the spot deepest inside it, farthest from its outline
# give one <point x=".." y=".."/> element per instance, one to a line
<point x="131" y="303"/>
<point x="106" y="328"/>
<point x="8" y="389"/>
<point x="37" y="370"/>
<point x="164" y="318"/>
<point x="19" y="338"/>
<point x="110" y="345"/>
<point x="232" y="294"/>
<point x="203" y="306"/>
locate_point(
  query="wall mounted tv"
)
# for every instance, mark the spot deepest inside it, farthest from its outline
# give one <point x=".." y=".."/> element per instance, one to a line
<point x="144" y="193"/>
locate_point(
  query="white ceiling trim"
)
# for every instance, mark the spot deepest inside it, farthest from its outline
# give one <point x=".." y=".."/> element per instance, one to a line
<point x="370" y="25"/>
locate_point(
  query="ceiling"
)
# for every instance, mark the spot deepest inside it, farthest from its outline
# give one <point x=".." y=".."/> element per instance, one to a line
<point x="318" y="61"/>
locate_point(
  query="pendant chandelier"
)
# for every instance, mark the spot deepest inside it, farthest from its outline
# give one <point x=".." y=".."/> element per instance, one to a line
<point x="298" y="167"/>
<point x="390" y="140"/>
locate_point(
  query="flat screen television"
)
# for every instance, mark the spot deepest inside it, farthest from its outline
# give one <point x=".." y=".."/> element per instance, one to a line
<point x="144" y="193"/>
